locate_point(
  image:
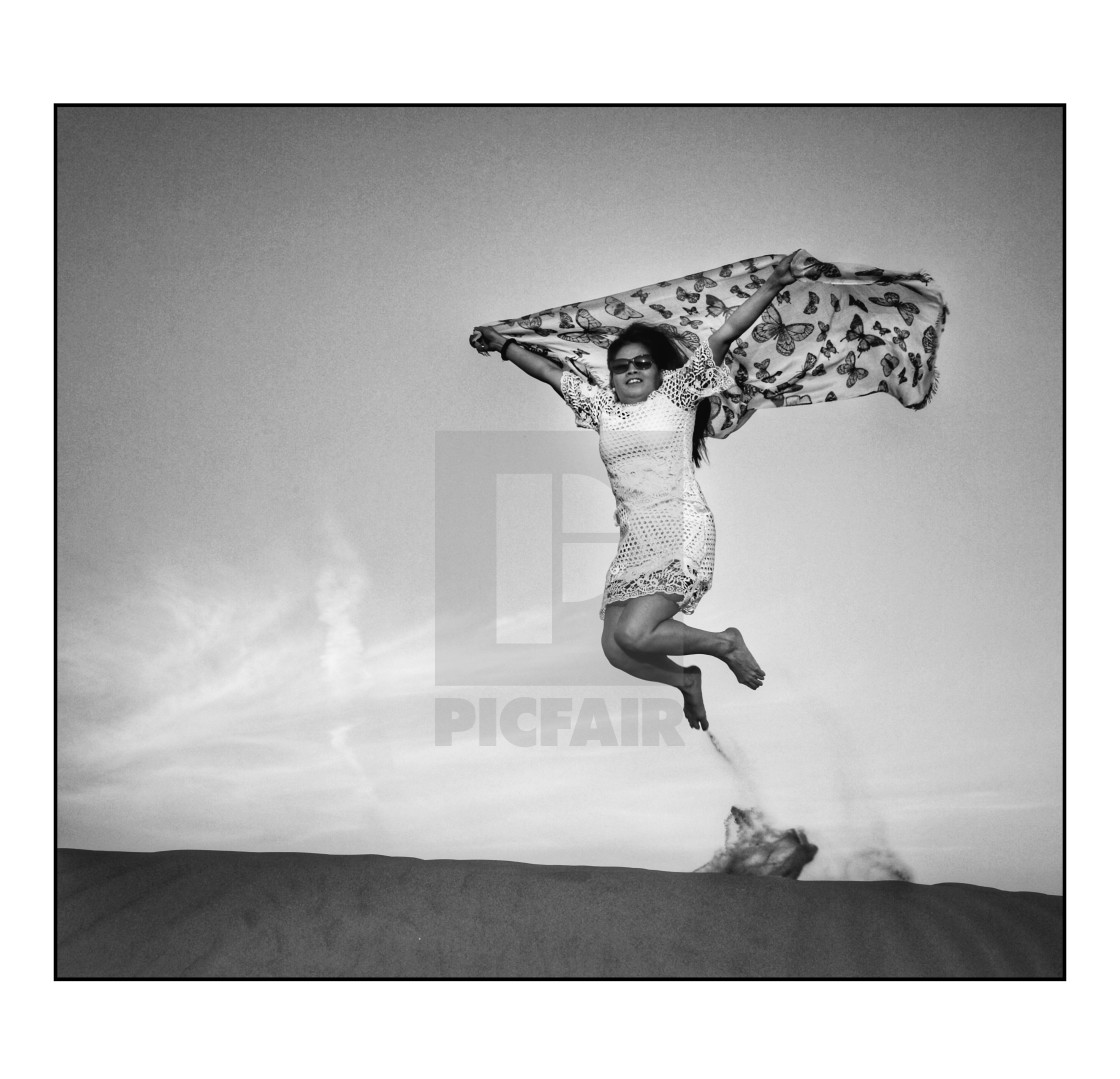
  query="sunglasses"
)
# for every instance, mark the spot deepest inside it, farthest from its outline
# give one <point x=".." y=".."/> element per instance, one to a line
<point x="618" y="367"/>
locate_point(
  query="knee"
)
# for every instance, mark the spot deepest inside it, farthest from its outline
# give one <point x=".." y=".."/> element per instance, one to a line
<point x="616" y="657"/>
<point x="631" y="638"/>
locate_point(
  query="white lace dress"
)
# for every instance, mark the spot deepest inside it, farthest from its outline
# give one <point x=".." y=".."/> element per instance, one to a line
<point x="667" y="540"/>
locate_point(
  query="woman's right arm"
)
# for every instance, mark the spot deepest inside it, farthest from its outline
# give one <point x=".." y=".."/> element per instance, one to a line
<point x="529" y="362"/>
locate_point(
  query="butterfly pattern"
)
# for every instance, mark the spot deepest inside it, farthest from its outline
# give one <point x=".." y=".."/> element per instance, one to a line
<point x="777" y="363"/>
<point x="762" y="372"/>
<point x="533" y="322"/>
<point x="864" y="341"/>
<point x="849" y="368"/>
<point x="618" y="309"/>
<point x="686" y="337"/>
<point x="883" y="277"/>
<point x="770" y="327"/>
<point x="816" y="269"/>
<point x="594" y="332"/>
<point x="904" y="307"/>
<point x="717" y="308"/>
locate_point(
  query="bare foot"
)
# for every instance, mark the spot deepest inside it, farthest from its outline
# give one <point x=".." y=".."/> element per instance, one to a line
<point x="694" y="710"/>
<point x="738" y="657"/>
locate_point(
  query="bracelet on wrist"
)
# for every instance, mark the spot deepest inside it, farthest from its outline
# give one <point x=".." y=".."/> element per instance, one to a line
<point x="505" y="345"/>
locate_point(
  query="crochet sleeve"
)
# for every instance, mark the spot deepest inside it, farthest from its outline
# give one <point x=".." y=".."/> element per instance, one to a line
<point x="700" y="377"/>
<point x="583" y="398"/>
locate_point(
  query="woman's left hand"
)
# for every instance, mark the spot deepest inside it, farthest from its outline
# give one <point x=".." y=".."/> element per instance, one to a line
<point x="783" y="274"/>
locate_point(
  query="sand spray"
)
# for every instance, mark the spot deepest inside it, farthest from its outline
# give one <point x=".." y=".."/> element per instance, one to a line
<point x="753" y="846"/>
<point x="719" y="749"/>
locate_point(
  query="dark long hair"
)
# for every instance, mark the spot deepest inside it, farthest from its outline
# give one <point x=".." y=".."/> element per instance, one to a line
<point x="668" y="357"/>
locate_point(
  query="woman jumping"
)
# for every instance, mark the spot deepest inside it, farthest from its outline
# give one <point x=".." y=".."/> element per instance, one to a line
<point x="650" y="442"/>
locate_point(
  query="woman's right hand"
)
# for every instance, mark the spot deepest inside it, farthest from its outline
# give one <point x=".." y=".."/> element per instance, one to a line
<point x="493" y="339"/>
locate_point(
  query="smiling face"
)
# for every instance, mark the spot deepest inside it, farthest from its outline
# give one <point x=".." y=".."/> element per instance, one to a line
<point x="634" y="375"/>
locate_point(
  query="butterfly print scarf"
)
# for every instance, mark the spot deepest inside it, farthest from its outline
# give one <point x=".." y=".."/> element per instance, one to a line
<point x="837" y="332"/>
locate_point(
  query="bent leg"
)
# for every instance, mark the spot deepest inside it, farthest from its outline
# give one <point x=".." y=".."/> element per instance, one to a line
<point x="652" y="667"/>
<point x="655" y="668"/>
<point x="646" y="626"/>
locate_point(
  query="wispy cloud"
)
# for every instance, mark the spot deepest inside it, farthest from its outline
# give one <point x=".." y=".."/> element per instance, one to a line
<point x="341" y="587"/>
<point x="204" y="693"/>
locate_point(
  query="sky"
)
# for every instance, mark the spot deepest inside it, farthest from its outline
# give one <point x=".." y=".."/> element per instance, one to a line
<point x="262" y="345"/>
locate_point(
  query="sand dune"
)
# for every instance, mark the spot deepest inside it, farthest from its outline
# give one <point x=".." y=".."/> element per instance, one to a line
<point x="231" y="914"/>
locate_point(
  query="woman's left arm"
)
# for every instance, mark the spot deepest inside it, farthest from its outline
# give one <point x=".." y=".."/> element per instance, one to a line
<point x="748" y="312"/>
